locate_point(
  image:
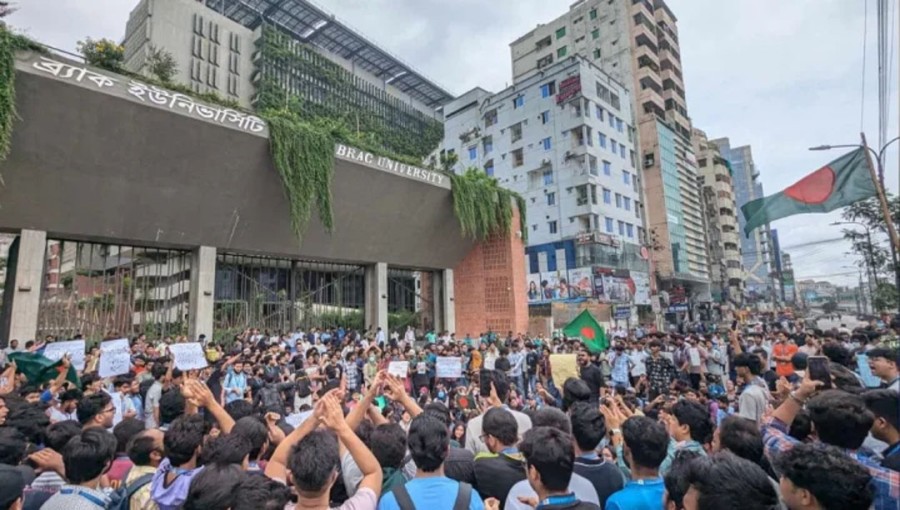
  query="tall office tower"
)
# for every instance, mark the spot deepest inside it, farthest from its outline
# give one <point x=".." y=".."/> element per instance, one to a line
<point x="755" y="249"/>
<point x="636" y="42"/>
<point x="260" y="52"/>
<point x="720" y="214"/>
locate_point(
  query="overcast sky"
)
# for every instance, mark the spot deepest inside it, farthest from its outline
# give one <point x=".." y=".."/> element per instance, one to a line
<point x="779" y="76"/>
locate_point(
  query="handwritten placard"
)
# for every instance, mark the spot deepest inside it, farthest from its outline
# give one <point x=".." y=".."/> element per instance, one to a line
<point x="563" y="366"/>
<point x="188" y="356"/>
<point x="399" y="369"/>
<point x="115" y="358"/>
<point x="448" y="367"/>
<point x="74" y="348"/>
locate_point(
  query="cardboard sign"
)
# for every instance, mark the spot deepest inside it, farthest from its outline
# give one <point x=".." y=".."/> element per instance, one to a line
<point x="74" y="348"/>
<point x="188" y="356"/>
<point x="399" y="369"/>
<point x="448" y="367"/>
<point x="115" y="358"/>
<point x="563" y="366"/>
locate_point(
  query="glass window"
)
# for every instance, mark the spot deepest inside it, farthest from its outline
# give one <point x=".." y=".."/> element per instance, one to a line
<point x="551" y="198"/>
<point x="489" y="168"/>
<point x="607" y="196"/>
<point x="614" y="145"/>
<point x="560" y="53"/>
<point x="620" y="126"/>
<point x="548" y="177"/>
<point x="545" y="117"/>
<point x="622" y="151"/>
<point x="553" y="227"/>
<point x="629" y="229"/>
<point x="612" y="121"/>
<point x="626" y="177"/>
<point x="627" y="203"/>
<point x="618" y="200"/>
<point x="560" y="32"/>
<point x="548" y="89"/>
<point x="593" y="14"/>
<point x="473" y="153"/>
<point x="607" y="168"/>
<point x="518" y="101"/>
<point x="595" y="34"/>
<point x="602" y="140"/>
<point x="621" y="228"/>
<point x="596" y="53"/>
<point x="609" y="225"/>
<point x="546" y="143"/>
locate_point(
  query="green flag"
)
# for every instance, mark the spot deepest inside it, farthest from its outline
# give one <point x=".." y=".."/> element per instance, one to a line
<point x="589" y="331"/>
<point x="842" y="182"/>
<point x="39" y="369"/>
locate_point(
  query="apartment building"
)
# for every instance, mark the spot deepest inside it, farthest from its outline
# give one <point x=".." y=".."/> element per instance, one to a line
<point x="253" y="50"/>
<point x="636" y="42"/>
<point x="755" y="249"/>
<point x="564" y="139"/>
<point x="721" y="221"/>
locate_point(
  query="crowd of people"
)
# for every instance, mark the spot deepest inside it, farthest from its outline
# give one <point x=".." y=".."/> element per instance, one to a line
<point x="775" y="416"/>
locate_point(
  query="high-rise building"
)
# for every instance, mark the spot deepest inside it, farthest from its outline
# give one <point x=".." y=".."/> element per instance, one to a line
<point x="722" y="236"/>
<point x="564" y="139"/>
<point x="259" y="52"/>
<point x="755" y="249"/>
<point x="636" y="42"/>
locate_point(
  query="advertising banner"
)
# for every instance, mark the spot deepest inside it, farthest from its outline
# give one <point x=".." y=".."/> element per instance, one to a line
<point x="580" y="284"/>
<point x="641" y="287"/>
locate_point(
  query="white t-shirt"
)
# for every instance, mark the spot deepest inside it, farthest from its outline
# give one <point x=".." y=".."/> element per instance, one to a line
<point x="638" y="362"/>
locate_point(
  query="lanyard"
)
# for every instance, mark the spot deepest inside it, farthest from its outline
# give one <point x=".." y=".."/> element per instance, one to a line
<point x="90" y="497"/>
<point x="892" y="450"/>
<point x="589" y="456"/>
<point x="562" y="500"/>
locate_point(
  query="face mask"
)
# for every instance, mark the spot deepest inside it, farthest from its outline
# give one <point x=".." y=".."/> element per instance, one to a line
<point x="441" y="394"/>
<point x="372" y="359"/>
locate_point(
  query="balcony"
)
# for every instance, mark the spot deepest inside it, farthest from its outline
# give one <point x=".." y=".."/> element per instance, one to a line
<point x="610" y="254"/>
<point x="646" y="39"/>
<point x="731" y="238"/>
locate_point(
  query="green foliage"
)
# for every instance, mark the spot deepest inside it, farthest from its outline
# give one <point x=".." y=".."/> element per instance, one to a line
<point x="483" y="207"/>
<point x="401" y="319"/>
<point x="366" y="117"/>
<point x="347" y="320"/>
<point x="886" y="297"/>
<point x="161" y="64"/>
<point x="303" y="154"/>
<point x="103" y="53"/>
<point x="10" y="43"/>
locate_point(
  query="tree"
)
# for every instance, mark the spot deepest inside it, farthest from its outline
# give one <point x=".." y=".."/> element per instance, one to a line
<point x="102" y="53"/>
<point x="161" y="64"/>
<point x="877" y="255"/>
<point x="6" y="9"/>
<point x="886" y="296"/>
<point x="829" y="307"/>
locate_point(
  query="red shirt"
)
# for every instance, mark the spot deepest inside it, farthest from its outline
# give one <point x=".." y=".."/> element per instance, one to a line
<point x="784" y="368"/>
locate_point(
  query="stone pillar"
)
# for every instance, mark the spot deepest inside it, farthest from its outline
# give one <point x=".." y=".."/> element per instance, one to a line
<point x="203" y="291"/>
<point x="437" y="286"/>
<point x="376" y="297"/>
<point x="447" y="304"/>
<point x="24" y="282"/>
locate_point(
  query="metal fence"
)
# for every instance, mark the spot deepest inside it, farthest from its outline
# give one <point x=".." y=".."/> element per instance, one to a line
<point x="410" y="300"/>
<point x="284" y="295"/>
<point x="104" y="289"/>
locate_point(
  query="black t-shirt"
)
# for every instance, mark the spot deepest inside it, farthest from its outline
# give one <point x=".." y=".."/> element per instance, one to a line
<point x="592" y="375"/>
<point x="502" y="364"/>
<point x="495" y="474"/>
<point x="604" y="476"/>
<point x="460" y="465"/>
<point x="531" y="360"/>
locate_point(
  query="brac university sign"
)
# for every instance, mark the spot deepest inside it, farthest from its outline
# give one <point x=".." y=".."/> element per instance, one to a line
<point x="382" y="163"/>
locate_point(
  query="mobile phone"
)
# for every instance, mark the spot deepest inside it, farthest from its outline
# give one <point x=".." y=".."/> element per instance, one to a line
<point x="817" y="367"/>
<point x="486" y="377"/>
<point x="734" y="325"/>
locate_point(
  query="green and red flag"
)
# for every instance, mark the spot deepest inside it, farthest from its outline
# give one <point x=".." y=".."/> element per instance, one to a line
<point x="589" y="331"/>
<point x="38" y="369"/>
<point x="842" y="182"/>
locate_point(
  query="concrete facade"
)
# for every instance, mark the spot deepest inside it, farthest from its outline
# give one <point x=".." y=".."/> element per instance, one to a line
<point x="636" y="42"/>
<point x="722" y="236"/>
<point x="755" y="248"/>
<point x="202" y="292"/>
<point x="21" y="301"/>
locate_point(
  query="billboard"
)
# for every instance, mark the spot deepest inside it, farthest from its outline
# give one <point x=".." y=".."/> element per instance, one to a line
<point x="641" y="283"/>
<point x="580" y="283"/>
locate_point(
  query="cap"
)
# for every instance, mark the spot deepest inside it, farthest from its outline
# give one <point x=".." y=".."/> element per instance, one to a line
<point x="12" y="483"/>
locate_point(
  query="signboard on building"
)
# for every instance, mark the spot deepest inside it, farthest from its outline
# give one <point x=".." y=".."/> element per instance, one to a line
<point x="569" y="88"/>
<point x="342" y="151"/>
<point x="641" y="287"/>
<point x="580" y="285"/>
<point x="621" y="312"/>
<point x="596" y="237"/>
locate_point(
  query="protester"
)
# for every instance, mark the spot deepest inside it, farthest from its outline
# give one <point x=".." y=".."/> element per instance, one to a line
<point x="823" y="478"/>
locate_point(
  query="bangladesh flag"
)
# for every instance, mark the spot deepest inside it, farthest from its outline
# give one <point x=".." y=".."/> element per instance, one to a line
<point x="842" y="182"/>
<point x="589" y="331"/>
<point x="39" y="369"/>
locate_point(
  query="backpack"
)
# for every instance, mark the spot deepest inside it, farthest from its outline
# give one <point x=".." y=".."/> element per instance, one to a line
<point x="463" y="497"/>
<point x="120" y="499"/>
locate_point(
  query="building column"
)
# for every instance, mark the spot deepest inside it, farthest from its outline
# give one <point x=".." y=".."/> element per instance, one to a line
<point x="24" y="282"/>
<point x="376" y="304"/>
<point x="203" y="291"/>
<point x="437" y="300"/>
<point x="448" y="305"/>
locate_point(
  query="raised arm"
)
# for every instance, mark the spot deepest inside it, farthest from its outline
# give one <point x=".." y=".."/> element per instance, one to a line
<point x="333" y="418"/>
<point x="358" y="413"/>
<point x="205" y="398"/>
<point x="9" y="376"/>
<point x="393" y="388"/>
<point x="276" y="468"/>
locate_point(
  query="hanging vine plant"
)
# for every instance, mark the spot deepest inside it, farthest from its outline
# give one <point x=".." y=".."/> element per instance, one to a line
<point x="482" y="207"/>
<point x="303" y="154"/>
<point x="10" y="43"/>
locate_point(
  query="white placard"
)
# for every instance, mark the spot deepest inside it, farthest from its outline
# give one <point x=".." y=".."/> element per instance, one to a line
<point x="694" y="354"/>
<point x="115" y="358"/>
<point x="297" y="419"/>
<point x="188" y="356"/>
<point x="448" y="367"/>
<point x="399" y="368"/>
<point x="74" y="348"/>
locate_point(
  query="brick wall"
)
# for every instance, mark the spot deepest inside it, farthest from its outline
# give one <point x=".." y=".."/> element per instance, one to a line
<point x="490" y="290"/>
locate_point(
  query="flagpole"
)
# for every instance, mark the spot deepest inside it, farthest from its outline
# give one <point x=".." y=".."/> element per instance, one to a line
<point x="885" y="209"/>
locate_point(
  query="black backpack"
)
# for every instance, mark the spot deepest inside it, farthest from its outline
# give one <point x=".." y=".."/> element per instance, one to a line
<point x="463" y="497"/>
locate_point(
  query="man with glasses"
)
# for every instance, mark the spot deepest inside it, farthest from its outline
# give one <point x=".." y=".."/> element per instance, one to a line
<point x="96" y="411"/>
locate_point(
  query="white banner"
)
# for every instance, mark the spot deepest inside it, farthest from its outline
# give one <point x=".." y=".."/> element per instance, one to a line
<point x="399" y="369"/>
<point x="115" y="358"/>
<point x="74" y="348"/>
<point x="188" y="356"/>
<point x="448" y="367"/>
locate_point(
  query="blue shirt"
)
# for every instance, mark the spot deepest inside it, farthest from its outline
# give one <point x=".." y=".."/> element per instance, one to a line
<point x="638" y="495"/>
<point x="234" y="380"/>
<point x="438" y="493"/>
<point x="865" y="371"/>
